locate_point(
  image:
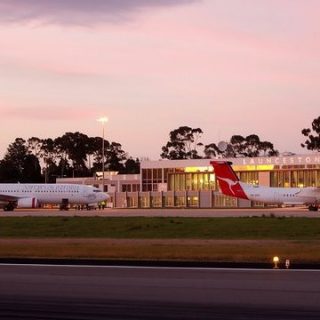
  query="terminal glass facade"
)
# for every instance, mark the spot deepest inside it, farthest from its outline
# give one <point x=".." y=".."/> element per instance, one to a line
<point x="151" y="178"/>
<point x="191" y="181"/>
<point x="178" y="179"/>
<point x="295" y="178"/>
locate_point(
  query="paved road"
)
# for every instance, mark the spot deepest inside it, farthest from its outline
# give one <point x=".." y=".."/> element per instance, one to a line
<point x="287" y="212"/>
<point x="66" y="292"/>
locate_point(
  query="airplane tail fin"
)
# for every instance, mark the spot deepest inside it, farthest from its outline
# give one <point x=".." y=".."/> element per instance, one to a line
<point x="228" y="181"/>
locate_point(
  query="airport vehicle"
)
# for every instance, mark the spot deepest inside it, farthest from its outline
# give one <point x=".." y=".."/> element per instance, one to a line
<point x="230" y="185"/>
<point x="20" y="195"/>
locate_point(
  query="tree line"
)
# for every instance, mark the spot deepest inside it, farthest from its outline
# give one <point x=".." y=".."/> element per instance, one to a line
<point x="75" y="154"/>
<point x="185" y="143"/>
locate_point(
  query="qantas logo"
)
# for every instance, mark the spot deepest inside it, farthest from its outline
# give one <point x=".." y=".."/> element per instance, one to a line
<point x="230" y="183"/>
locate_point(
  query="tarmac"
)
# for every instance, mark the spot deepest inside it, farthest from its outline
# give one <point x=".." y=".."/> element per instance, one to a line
<point x="165" y="212"/>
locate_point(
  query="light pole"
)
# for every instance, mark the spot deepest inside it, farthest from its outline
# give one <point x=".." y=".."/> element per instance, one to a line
<point x="103" y="120"/>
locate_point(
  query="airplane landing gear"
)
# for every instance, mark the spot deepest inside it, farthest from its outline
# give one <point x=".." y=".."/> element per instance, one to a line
<point x="313" y="207"/>
<point x="64" y="204"/>
<point x="9" y="207"/>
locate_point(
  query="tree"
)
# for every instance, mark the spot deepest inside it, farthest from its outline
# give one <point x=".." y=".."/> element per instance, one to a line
<point x="132" y="166"/>
<point x="13" y="161"/>
<point x="48" y="154"/>
<point x="18" y="165"/>
<point x="211" y="150"/>
<point x="313" y="140"/>
<point x="239" y="146"/>
<point x="95" y="152"/>
<point x="267" y="149"/>
<point x="183" y="144"/>
<point x="48" y="151"/>
<point x="8" y="173"/>
<point x="34" y="146"/>
<point x="115" y="157"/>
<point x="16" y="153"/>
<point x="251" y="146"/>
<point x="31" y="171"/>
<point x="74" y="146"/>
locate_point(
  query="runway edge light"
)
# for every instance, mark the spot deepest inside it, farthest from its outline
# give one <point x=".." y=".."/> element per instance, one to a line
<point x="275" y="262"/>
<point x="287" y="263"/>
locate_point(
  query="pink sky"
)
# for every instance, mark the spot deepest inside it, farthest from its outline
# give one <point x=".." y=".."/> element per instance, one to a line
<point x="226" y="66"/>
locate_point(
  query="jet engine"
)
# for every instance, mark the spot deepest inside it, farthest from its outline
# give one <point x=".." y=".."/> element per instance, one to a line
<point x="28" y="203"/>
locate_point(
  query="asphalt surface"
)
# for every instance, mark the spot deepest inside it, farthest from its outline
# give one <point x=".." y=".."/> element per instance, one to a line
<point x="181" y="212"/>
<point x="82" y="292"/>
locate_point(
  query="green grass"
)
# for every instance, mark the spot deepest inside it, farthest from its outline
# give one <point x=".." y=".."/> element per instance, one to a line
<point x="161" y="228"/>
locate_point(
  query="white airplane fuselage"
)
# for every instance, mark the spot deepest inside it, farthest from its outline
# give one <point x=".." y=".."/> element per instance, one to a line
<point x="31" y="195"/>
<point x="294" y="196"/>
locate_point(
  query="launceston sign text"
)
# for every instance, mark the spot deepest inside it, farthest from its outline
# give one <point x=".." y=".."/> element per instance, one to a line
<point x="292" y="160"/>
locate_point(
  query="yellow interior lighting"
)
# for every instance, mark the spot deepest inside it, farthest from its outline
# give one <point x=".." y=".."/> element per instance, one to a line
<point x="259" y="167"/>
<point x="198" y="169"/>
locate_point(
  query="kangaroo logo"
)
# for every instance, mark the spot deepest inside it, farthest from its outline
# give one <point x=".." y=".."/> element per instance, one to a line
<point x="230" y="183"/>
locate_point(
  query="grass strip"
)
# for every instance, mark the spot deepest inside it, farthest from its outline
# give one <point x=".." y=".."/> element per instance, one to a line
<point x="272" y="228"/>
<point x="175" y="250"/>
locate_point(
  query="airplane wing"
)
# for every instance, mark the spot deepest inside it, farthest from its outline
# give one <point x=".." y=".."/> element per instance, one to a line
<point x="314" y="191"/>
<point x="311" y="194"/>
<point x="5" y="197"/>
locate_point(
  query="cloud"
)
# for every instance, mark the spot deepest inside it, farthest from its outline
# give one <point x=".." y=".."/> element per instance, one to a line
<point x="77" y="12"/>
<point x="37" y="113"/>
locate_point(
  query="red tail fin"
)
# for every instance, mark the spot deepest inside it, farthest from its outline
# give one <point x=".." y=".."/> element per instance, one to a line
<point x="228" y="180"/>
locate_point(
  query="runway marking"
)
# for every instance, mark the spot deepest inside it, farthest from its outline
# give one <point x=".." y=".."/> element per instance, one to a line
<point x="156" y="268"/>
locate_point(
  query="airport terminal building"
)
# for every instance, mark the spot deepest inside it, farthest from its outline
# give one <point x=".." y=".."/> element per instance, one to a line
<point x="192" y="183"/>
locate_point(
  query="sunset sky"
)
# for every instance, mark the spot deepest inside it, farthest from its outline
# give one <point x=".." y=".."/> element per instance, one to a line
<point x="226" y="66"/>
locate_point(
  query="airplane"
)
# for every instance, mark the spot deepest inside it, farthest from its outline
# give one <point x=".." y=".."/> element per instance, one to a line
<point x="29" y="195"/>
<point x="230" y="185"/>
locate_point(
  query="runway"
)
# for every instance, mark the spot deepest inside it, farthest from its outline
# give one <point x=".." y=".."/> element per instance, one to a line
<point x="164" y="212"/>
<point x="83" y="292"/>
